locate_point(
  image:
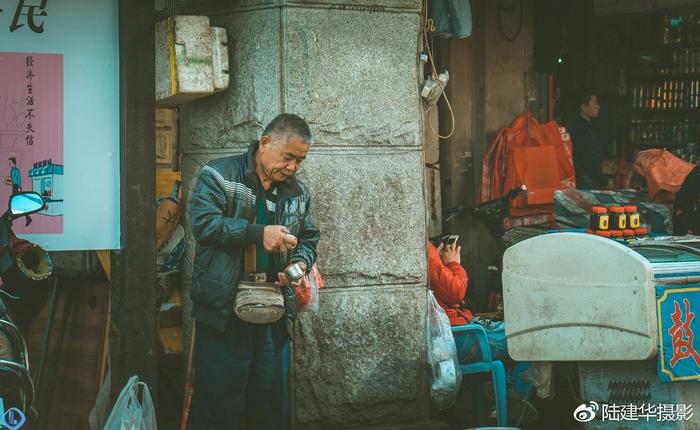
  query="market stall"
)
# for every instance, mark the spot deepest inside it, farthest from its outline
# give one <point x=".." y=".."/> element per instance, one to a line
<point x="623" y="310"/>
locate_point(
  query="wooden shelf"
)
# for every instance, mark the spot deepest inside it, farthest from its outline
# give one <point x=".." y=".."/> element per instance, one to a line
<point x="664" y="49"/>
<point x="667" y="112"/>
<point x="638" y="76"/>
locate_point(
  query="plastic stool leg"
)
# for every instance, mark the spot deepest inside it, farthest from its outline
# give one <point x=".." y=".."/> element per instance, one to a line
<point x="498" y="374"/>
<point x="523" y="387"/>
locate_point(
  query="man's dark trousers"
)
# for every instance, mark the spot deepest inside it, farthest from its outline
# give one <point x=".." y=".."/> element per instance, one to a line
<point x="246" y="363"/>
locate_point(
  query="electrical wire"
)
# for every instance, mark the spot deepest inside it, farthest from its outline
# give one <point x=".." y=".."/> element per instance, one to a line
<point x="571" y="390"/>
<point x="434" y="76"/>
<point x="9" y="295"/>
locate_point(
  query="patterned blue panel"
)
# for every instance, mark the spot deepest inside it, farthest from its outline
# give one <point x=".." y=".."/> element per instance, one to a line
<point x="678" y="315"/>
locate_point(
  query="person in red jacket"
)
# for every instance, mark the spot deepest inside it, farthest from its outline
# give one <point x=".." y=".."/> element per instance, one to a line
<point x="448" y="280"/>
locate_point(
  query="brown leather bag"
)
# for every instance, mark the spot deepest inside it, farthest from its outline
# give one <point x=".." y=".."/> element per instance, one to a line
<point x="257" y="302"/>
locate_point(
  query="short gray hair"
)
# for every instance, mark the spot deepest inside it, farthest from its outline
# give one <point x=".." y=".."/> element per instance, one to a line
<point x="288" y="123"/>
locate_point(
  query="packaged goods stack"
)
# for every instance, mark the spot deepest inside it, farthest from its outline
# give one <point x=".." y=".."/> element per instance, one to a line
<point x="621" y="223"/>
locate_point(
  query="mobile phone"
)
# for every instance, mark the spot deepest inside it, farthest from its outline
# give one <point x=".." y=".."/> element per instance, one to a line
<point x="452" y="239"/>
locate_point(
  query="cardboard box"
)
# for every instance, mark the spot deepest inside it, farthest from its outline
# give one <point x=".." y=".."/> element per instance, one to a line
<point x="167" y="123"/>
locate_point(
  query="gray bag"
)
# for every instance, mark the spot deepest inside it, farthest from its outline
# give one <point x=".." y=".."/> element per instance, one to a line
<point x="259" y="302"/>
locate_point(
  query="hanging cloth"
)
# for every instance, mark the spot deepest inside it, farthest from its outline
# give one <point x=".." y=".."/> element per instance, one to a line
<point x="452" y="18"/>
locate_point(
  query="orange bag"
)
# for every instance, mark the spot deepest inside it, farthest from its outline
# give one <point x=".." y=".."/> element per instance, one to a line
<point x="307" y="294"/>
<point x="664" y="173"/>
<point x="535" y="166"/>
<point x="536" y="155"/>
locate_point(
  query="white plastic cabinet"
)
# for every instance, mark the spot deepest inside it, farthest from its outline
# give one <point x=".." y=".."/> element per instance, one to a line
<point x="578" y="297"/>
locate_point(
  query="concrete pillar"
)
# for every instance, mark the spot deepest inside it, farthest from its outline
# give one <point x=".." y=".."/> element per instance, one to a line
<point x="491" y="81"/>
<point x="511" y="83"/>
<point x="353" y="73"/>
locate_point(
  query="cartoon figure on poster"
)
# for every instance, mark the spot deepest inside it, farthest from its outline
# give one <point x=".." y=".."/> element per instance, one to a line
<point x="15" y="180"/>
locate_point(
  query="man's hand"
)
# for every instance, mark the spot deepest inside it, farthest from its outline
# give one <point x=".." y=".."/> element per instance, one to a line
<point x="276" y="239"/>
<point x="450" y="253"/>
<point x="282" y="278"/>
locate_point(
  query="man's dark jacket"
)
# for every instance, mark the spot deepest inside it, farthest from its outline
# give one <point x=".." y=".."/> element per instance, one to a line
<point x="686" y="206"/>
<point x="588" y="154"/>
<point x="222" y="213"/>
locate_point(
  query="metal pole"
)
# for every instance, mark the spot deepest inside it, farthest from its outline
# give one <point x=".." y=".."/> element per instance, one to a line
<point x="133" y="332"/>
<point x="39" y="369"/>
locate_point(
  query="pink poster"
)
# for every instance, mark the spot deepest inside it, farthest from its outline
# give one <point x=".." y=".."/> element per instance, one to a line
<point x="31" y="136"/>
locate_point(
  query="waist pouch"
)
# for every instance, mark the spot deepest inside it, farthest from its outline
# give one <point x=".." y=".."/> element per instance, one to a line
<point x="259" y="302"/>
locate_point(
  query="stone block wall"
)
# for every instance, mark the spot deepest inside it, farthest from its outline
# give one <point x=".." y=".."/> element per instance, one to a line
<point x="353" y="73"/>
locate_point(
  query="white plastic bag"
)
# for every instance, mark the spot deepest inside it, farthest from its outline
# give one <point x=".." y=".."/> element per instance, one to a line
<point x="307" y="295"/>
<point x="442" y="356"/>
<point x="540" y="375"/>
<point x="131" y="414"/>
<point x="98" y="414"/>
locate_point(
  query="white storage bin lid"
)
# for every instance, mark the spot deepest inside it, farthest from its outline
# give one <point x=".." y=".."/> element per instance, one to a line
<point x="574" y="296"/>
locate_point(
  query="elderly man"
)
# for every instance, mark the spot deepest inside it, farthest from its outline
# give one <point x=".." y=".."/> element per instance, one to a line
<point x="251" y="219"/>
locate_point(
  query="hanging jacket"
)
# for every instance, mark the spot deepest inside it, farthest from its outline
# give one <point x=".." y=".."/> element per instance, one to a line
<point x="222" y="212"/>
<point x="449" y="283"/>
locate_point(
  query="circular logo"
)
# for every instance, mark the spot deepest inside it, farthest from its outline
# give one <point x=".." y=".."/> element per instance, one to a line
<point x="586" y="412"/>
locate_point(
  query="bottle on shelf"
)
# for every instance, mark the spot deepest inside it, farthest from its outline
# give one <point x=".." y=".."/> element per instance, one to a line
<point x="664" y="131"/>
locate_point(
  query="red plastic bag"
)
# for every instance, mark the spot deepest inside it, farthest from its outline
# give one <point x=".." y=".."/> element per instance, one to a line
<point x="664" y="173"/>
<point x="307" y="294"/>
<point x="536" y="155"/>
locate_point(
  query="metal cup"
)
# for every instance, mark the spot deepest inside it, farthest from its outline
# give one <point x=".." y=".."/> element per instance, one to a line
<point x="294" y="272"/>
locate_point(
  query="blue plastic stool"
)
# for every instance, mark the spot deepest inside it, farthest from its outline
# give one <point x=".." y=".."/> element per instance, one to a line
<point x="464" y="340"/>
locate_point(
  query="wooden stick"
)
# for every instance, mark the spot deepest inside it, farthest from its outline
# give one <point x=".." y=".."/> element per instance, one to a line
<point x="189" y="378"/>
<point x="105" y="341"/>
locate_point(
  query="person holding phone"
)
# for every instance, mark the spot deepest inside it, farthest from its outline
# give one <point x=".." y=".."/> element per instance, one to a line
<point x="448" y="279"/>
